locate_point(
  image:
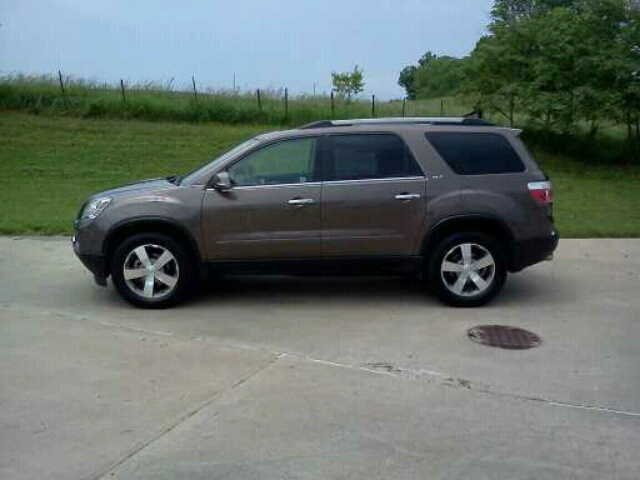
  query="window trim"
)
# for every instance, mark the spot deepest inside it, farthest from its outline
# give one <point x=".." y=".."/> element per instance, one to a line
<point x="373" y="180"/>
<point x="277" y="185"/>
<point x="329" y="163"/>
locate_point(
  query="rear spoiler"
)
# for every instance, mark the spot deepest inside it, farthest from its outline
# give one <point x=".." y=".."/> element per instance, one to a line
<point x="516" y="132"/>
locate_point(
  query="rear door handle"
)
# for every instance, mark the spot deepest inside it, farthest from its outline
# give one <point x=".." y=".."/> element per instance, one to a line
<point x="405" y="197"/>
<point x="301" y="202"/>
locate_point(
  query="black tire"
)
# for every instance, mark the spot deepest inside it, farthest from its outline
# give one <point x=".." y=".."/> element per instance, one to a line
<point x="491" y="278"/>
<point x="177" y="275"/>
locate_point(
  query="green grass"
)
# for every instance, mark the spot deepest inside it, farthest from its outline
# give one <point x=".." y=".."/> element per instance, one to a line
<point x="593" y="200"/>
<point x="49" y="165"/>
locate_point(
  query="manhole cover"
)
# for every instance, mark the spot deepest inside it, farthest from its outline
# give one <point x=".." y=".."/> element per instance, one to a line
<point x="504" y="337"/>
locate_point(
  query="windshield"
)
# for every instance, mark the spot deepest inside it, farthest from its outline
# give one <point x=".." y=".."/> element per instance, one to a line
<point x="186" y="180"/>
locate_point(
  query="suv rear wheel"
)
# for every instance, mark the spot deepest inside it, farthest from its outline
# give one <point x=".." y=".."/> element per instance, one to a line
<point x="151" y="270"/>
<point x="467" y="269"/>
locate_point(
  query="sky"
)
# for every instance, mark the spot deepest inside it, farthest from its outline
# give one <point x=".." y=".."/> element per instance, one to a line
<point x="264" y="44"/>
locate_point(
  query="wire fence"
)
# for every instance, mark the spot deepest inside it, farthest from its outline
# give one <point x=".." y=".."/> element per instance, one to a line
<point x="155" y="102"/>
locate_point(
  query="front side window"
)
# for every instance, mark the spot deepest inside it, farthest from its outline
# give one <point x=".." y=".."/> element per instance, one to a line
<point x="360" y="157"/>
<point x="476" y="153"/>
<point x="286" y="162"/>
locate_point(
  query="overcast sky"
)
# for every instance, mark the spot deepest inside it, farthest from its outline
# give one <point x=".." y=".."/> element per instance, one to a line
<point x="266" y="43"/>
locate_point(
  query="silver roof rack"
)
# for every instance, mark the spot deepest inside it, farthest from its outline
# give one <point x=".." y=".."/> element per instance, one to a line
<point x="399" y="121"/>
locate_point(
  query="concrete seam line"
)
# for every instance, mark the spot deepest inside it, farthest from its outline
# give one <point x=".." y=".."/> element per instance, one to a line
<point x="348" y="367"/>
<point x="134" y="329"/>
<point x="396" y="373"/>
<point x="594" y="408"/>
<point x="555" y="403"/>
<point x="86" y="318"/>
<point x="115" y="326"/>
<point x="470" y="386"/>
<point x="176" y="423"/>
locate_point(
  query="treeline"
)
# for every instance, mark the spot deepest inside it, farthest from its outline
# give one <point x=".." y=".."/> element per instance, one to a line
<point x="562" y="66"/>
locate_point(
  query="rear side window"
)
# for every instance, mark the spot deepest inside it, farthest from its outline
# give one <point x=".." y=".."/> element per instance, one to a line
<point x="476" y="153"/>
<point x="359" y="157"/>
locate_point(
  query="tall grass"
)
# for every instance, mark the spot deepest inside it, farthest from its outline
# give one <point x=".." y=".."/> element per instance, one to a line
<point x="155" y="102"/>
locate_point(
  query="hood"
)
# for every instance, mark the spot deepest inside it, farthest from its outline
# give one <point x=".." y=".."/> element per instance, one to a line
<point x="158" y="184"/>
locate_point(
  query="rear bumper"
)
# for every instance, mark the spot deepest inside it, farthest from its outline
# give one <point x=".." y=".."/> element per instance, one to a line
<point x="96" y="264"/>
<point x="532" y="251"/>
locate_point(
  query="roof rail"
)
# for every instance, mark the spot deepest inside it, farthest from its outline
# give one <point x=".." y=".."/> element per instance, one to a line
<point x="318" y="124"/>
<point x="399" y="121"/>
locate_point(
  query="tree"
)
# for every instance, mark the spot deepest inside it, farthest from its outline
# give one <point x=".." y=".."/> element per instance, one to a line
<point x="441" y="77"/>
<point x="628" y="75"/>
<point x="407" y="79"/>
<point x="433" y="77"/>
<point x="347" y="84"/>
<point x="561" y="62"/>
<point x="559" y="65"/>
<point x="427" y="58"/>
<point x="501" y="68"/>
<point x="511" y="10"/>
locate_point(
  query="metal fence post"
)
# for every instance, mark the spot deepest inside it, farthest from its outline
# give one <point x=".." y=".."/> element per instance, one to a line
<point x="333" y="105"/>
<point x="286" y="104"/>
<point x="64" y="93"/>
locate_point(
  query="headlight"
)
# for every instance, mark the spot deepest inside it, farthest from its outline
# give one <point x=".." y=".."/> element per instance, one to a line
<point x="94" y="208"/>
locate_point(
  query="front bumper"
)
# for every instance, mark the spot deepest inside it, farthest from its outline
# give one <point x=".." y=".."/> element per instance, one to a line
<point x="532" y="251"/>
<point x="96" y="264"/>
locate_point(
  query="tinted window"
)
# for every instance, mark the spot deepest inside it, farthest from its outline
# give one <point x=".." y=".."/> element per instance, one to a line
<point x="476" y="153"/>
<point x="285" y="162"/>
<point x="358" y="157"/>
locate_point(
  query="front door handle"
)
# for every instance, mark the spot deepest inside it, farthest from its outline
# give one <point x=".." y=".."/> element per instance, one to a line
<point x="301" y="202"/>
<point x="407" y="197"/>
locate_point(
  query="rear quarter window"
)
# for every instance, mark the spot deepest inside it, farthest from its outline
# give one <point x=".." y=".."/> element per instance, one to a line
<point x="476" y="153"/>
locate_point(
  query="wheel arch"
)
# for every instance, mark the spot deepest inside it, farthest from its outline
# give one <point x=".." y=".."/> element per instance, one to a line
<point x="160" y="225"/>
<point x="487" y="225"/>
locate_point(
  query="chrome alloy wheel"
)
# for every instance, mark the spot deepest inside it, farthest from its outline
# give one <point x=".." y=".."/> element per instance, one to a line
<point x="151" y="272"/>
<point x="468" y="270"/>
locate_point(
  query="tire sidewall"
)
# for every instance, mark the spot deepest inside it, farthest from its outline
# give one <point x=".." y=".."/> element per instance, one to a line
<point x="435" y="278"/>
<point x="185" y="267"/>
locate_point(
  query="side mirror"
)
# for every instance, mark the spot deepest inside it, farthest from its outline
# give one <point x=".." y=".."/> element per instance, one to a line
<point x="221" y="182"/>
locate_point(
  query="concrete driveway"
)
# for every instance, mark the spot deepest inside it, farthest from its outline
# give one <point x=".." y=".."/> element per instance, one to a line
<point x="313" y="379"/>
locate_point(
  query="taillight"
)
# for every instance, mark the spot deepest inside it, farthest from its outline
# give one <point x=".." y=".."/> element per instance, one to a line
<point x="541" y="192"/>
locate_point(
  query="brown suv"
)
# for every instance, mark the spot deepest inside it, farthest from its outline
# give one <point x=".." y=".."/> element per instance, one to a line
<point x="460" y="201"/>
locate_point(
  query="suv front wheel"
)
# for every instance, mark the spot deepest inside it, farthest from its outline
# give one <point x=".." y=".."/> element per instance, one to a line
<point x="151" y="270"/>
<point x="467" y="269"/>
